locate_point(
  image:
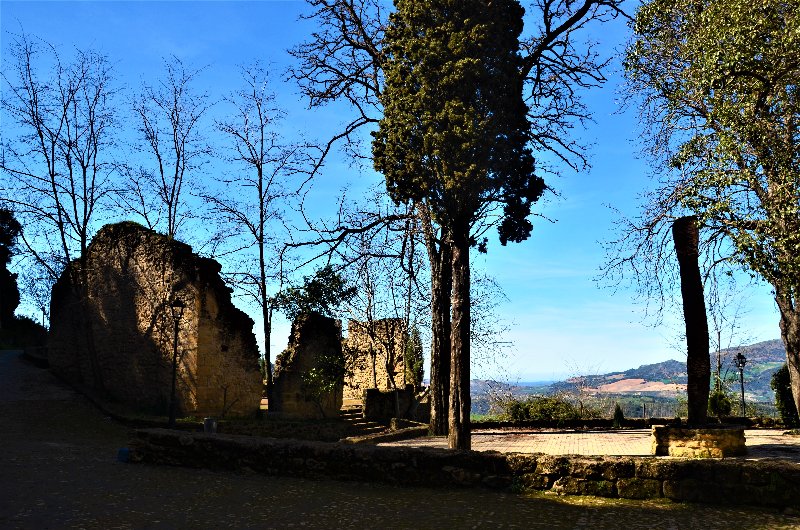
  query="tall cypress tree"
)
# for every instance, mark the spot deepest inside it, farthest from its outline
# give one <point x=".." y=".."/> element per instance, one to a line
<point x="455" y="134"/>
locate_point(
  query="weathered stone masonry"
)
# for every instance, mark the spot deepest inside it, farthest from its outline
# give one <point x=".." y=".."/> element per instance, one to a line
<point x="313" y="336"/>
<point x="134" y="273"/>
<point x="366" y="349"/>
<point x="726" y="481"/>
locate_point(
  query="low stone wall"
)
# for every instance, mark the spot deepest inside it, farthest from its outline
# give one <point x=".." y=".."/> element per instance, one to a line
<point x="765" y="483"/>
<point x="379" y="405"/>
<point x="398" y="430"/>
<point x="715" y="442"/>
<point x="593" y="423"/>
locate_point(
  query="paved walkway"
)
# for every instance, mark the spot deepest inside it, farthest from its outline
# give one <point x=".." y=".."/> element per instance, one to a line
<point x="59" y="470"/>
<point x="761" y="443"/>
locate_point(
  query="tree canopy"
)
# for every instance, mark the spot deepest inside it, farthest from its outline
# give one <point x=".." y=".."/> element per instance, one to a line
<point x="454" y="130"/>
<point x="719" y="87"/>
<point x="323" y="292"/>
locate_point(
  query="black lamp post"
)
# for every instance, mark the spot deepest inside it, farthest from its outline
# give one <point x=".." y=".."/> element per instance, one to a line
<point x="740" y="360"/>
<point x="177" y="307"/>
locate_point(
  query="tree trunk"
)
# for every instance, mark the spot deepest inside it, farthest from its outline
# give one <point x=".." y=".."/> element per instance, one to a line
<point x="685" y="233"/>
<point x="441" y="284"/>
<point x="790" y="334"/>
<point x="459" y="433"/>
<point x="266" y="313"/>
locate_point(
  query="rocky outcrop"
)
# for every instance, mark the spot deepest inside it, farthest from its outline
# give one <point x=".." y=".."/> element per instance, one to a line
<point x="309" y="374"/>
<point x="133" y="275"/>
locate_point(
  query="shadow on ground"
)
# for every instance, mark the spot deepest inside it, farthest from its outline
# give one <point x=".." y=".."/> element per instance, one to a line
<point x="59" y="470"/>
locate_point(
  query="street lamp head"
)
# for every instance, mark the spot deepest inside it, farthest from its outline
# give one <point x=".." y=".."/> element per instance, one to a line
<point x="177" y="306"/>
<point x="740" y="360"/>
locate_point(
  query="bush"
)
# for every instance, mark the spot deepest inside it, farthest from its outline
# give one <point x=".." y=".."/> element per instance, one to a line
<point x="540" y="408"/>
<point x="784" y="401"/>
<point x="23" y="332"/>
<point x="719" y="402"/>
<point x="619" y="417"/>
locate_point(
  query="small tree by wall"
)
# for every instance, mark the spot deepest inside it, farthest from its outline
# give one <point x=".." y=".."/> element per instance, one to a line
<point x="323" y="382"/>
<point x="784" y="401"/>
<point x="9" y="293"/>
<point x="309" y="374"/>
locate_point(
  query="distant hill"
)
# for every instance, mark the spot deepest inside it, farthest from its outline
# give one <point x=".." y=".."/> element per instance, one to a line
<point x="666" y="379"/>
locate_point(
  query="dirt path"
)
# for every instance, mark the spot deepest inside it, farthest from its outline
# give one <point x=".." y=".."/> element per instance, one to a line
<point x="59" y="470"/>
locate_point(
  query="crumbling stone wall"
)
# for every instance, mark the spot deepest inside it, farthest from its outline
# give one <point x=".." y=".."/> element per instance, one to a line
<point x="134" y="273"/>
<point x="366" y="349"/>
<point x="313" y="336"/>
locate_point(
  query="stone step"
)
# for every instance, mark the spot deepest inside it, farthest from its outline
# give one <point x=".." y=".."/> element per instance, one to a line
<point x="353" y="415"/>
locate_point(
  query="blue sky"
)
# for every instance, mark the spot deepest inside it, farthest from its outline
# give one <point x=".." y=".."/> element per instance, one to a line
<point x="561" y="321"/>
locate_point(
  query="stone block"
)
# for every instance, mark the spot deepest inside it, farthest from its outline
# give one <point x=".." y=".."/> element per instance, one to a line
<point x="711" y="442"/>
<point x="533" y="481"/>
<point x="519" y="463"/>
<point x="638" y="488"/>
<point x="553" y="465"/>
<point x="580" y="486"/>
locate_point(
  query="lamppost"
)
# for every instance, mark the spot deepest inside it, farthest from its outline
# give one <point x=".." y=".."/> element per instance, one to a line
<point x="177" y="307"/>
<point x="740" y="360"/>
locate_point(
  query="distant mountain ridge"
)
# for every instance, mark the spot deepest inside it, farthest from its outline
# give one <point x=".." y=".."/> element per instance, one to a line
<point x="669" y="377"/>
<point x="664" y="379"/>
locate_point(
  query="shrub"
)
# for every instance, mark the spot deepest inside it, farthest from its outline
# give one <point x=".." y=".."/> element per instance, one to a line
<point x="619" y="417"/>
<point x="540" y="408"/>
<point x="719" y="402"/>
<point x="784" y="401"/>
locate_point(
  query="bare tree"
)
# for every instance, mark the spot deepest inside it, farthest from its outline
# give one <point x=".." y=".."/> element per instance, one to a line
<point x="344" y="60"/>
<point x="57" y="170"/>
<point x="169" y="117"/>
<point x="248" y="209"/>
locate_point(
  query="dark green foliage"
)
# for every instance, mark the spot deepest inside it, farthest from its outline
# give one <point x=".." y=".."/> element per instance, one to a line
<point x="783" y="397"/>
<point x="619" y="417"/>
<point x="455" y="136"/>
<point x="22" y="332"/>
<point x="9" y="293"/>
<point x="455" y="131"/>
<point x="719" y="401"/>
<point x="326" y="378"/>
<point x="413" y="359"/>
<point x="540" y="408"/>
<point x="322" y="292"/>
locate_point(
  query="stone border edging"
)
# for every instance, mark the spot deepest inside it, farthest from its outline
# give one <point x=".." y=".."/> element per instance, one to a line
<point x="391" y="436"/>
<point x="724" y="481"/>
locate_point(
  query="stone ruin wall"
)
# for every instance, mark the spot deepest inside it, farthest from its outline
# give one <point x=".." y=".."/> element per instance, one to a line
<point x="133" y="275"/>
<point x="385" y="336"/>
<point x="312" y="335"/>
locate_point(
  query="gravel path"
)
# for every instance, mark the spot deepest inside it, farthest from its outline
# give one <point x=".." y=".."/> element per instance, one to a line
<point x="59" y="470"/>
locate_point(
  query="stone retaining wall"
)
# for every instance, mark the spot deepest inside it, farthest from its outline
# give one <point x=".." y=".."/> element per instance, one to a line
<point x="726" y="481"/>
